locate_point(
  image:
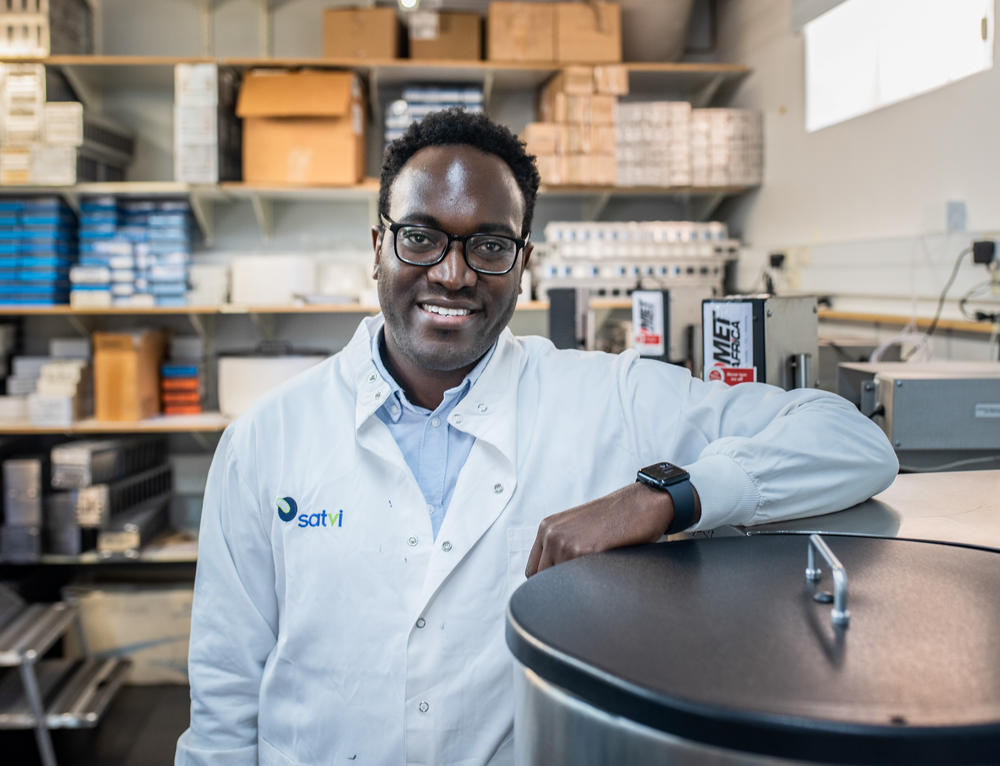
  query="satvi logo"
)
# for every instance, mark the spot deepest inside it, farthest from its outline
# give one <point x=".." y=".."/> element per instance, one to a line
<point x="287" y="508"/>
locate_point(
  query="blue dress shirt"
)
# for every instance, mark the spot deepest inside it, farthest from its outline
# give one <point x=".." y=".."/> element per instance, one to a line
<point x="434" y="450"/>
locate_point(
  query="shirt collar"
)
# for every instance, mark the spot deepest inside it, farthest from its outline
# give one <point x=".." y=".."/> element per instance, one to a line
<point x="396" y="402"/>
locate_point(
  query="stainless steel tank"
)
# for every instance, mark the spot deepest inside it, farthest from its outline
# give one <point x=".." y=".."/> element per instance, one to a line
<point x="762" y="650"/>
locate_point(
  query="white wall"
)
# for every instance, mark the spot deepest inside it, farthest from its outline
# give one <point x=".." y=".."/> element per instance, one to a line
<point x="860" y="207"/>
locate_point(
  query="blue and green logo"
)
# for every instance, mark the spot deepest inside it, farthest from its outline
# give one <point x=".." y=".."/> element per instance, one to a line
<point x="287" y="508"/>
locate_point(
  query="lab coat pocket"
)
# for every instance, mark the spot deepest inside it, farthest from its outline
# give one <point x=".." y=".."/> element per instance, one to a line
<point x="519" y="542"/>
<point x="269" y="755"/>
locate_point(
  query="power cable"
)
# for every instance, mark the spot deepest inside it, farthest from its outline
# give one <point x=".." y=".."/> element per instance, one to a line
<point x="944" y="293"/>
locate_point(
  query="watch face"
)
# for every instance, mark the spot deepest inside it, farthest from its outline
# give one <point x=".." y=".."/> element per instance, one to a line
<point x="665" y="473"/>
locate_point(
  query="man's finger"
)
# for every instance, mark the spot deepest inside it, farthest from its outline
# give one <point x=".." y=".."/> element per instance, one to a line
<point x="534" y="556"/>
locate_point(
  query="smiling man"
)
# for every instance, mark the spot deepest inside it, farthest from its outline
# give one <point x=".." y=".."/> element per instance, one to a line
<point x="455" y="459"/>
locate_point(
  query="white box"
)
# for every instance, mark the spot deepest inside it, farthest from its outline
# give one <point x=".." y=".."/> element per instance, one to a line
<point x="196" y="164"/>
<point x="63" y="123"/>
<point x="196" y="125"/>
<point x="53" y="165"/>
<point x="196" y="85"/>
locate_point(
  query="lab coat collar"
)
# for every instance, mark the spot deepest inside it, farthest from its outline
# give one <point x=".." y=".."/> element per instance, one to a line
<point x="486" y="412"/>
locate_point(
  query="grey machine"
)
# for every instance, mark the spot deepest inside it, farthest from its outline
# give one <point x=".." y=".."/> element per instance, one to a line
<point x="938" y="415"/>
<point x="762" y="338"/>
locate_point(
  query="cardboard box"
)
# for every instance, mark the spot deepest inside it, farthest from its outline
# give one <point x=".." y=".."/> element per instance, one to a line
<point x="611" y="79"/>
<point x="302" y="128"/>
<point x="127" y="374"/>
<point x="521" y="32"/>
<point x="552" y="169"/>
<point x="149" y="624"/>
<point x="545" y="138"/>
<point x="553" y="106"/>
<point x="361" y="33"/>
<point x="456" y="36"/>
<point x="588" y="32"/>
<point x="575" y="80"/>
<point x="597" y="109"/>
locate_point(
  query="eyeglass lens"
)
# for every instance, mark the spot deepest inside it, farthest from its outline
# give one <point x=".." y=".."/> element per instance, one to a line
<point x="485" y="252"/>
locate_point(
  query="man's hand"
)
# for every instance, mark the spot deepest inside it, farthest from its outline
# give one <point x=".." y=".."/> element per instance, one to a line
<point x="629" y="516"/>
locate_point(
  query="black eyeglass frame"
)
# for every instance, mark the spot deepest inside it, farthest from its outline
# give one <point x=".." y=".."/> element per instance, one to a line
<point x="395" y="226"/>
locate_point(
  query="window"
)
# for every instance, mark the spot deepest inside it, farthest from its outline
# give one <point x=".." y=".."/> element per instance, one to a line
<point x="866" y="54"/>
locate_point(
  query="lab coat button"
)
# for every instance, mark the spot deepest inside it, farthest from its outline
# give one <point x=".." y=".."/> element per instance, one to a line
<point x="372" y="378"/>
<point x="378" y="395"/>
<point x="421" y="622"/>
<point x="435" y="422"/>
<point x="456" y="419"/>
<point x="446" y="546"/>
<point x="482" y="407"/>
<point x="498" y="488"/>
<point x="412" y="541"/>
<point x="423" y="707"/>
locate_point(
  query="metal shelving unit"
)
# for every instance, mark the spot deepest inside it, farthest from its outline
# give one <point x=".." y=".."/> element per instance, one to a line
<point x="49" y="694"/>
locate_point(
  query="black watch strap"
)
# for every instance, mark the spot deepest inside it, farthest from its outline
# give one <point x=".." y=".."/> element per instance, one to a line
<point x="682" y="493"/>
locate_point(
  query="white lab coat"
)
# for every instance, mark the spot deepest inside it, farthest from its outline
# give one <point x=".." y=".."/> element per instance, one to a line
<point x="366" y="640"/>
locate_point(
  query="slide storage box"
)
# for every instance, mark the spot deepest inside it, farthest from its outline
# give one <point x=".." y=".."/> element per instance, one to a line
<point x="305" y="128"/>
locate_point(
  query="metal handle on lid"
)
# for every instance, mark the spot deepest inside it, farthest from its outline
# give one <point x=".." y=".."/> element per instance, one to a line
<point x="840" y="615"/>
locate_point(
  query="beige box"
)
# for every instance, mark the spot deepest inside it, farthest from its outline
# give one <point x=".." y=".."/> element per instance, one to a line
<point x="361" y="33"/>
<point x="552" y="169"/>
<point x="545" y="138"/>
<point x="149" y="624"/>
<point x="302" y="128"/>
<point x="604" y="169"/>
<point x="15" y="165"/>
<point x="588" y="32"/>
<point x="127" y="374"/>
<point x="611" y="79"/>
<point x="459" y="37"/>
<point x="521" y="32"/>
<point x="603" y="138"/>
<point x="553" y="106"/>
<point x="578" y="138"/>
<point x="575" y="80"/>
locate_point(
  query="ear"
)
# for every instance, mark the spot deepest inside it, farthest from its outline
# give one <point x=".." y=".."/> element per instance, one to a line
<point x="377" y="233"/>
<point x="525" y="256"/>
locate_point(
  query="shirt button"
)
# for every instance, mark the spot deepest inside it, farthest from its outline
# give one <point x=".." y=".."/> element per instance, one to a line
<point x="435" y="422"/>
<point x="421" y="622"/>
<point x="412" y="541"/>
<point x="423" y="707"/>
<point x="372" y="378"/>
<point x="378" y="395"/>
<point x="498" y="488"/>
<point x="456" y="419"/>
<point x="446" y="546"/>
<point x="481" y="407"/>
<point x="395" y="409"/>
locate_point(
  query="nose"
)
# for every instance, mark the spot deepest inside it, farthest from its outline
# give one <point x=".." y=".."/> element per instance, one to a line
<point x="452" y="272"/>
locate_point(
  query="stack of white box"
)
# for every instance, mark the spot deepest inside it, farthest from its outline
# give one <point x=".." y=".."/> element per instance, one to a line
<point x="653" y="143"/>
<point x="22" y="104"/>
<point x="64" y="394"/>
<point x="727" y="147"/>
<point x="209" y="284"/>
<point x="207" y="134"/>
<point x="39" y="28"/>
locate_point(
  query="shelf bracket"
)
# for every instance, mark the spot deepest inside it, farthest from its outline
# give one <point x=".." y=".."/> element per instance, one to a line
<point x="204" y="213"/>
<point x="488" y="80"/>
<point x="373" y="97"/>
<point x="207" y="26"/>
<point x="202" y="440"/>
<point x="264" y="24"/>
<point x="265" y="325"/>
<point x="704" y="97"/>
<point x="263" y="211"/>
<point x="594" y="206"/>
<point x="34" y="695"/>
<point x="702" y="209"/>
<point x="199" y="327"/>
<point x="77" y="324"/>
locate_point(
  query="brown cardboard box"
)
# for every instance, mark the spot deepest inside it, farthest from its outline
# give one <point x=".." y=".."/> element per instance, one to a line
<point x="598" y="109"/>
<point x="460" y="37"/>
<point x="575" y="80"/>
<point x="361" y="33"/>
<point x="602" y="138"/>
<point x="604" y="169"/>
<point x="521" y="32"/>
<point x="127" y="374"/>
<point x="553" y="106"/>
<point x="588" y="32"/>
<point x="302" y="128"/>
<point x="611" y="79"/>
<point x="579" y="138"/>
<point x="552" y="169"/>
<point x="545" y="138"/>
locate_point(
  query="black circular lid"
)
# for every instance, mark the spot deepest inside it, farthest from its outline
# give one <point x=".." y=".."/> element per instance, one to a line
<point x="724" y="642"/>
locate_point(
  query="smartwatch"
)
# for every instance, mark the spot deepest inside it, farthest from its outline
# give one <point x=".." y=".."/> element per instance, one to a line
<point x="676" y="482"/>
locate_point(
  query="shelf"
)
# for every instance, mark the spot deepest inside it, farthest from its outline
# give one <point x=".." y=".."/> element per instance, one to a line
<point x="210" y="422"/>
<point x="76" y="693"/>
<point x="898" y="320"/>
<point x="93" y="74"/>
<point x="33" y="631"/>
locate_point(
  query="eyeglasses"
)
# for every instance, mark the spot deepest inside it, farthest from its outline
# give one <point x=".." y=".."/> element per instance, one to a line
<point x="426" y="246"/>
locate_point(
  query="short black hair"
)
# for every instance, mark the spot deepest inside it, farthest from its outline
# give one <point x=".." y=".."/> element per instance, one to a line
<point x="452" y="127"/>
